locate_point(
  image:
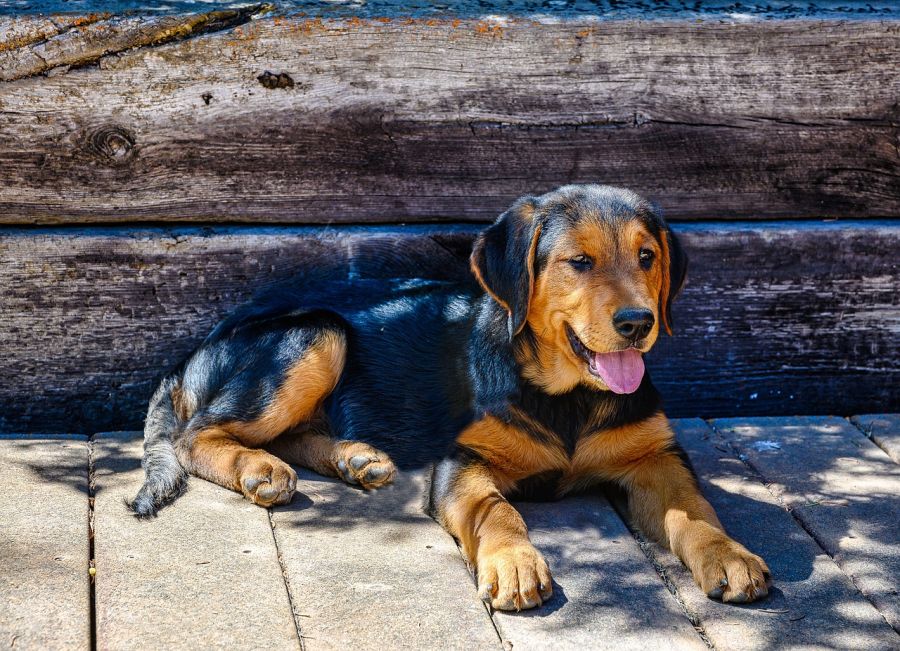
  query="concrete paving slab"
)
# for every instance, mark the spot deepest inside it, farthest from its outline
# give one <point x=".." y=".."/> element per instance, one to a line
<point x="203" y="575"/>
<point x="44" y="543"/>
<point x="812" y="603"/>
<point x="884" y="430"/>
<point x="841" y="487"/>
<point x="607" y="595"/>
<point x="372" y="571"/>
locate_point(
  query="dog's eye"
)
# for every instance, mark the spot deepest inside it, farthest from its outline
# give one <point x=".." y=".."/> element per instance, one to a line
<point x="581" y="262"/>
<point x="645" y="256"/>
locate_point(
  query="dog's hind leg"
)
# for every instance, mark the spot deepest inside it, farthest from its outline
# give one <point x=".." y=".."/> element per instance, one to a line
<point x="225" y="447"/>
<point x="355" y="462"/>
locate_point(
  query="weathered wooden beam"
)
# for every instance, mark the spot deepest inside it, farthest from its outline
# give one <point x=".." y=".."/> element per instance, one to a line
<point x="379" y="120"/>
<point x="777" y="318"/>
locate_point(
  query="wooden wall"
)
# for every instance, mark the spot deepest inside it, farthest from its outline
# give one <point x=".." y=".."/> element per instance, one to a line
<point x="415" y="119"/>
<point x="128" y="144"/>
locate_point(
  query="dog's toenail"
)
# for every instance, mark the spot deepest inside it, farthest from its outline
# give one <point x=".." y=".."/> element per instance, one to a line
<point x="342" y="466"/>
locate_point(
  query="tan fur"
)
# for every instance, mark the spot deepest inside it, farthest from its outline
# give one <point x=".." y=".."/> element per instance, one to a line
<point x="665" y="281"/>
<point x="512" y="574"/>
<point x="181" y="404"/>
<point x="216" y="455"/>
<point x="353" y="461"/>
<point x="667" y="506"/>
<point x="663" y="499"/>
<point x="587" y="300"/>
<point x="512" y="453"/>
<point x="299" y="397"/>
<point x="227" y="454"/>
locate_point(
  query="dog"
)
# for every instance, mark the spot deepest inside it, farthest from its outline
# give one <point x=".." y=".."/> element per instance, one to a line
<point x="529" y="381"/>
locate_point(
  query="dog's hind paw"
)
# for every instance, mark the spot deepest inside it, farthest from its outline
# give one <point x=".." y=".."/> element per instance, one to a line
<point x="362" y="465"/>
<point x="266" y="480"/>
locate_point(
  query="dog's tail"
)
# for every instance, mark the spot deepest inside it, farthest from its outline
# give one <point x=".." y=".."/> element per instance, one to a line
<point x="166" y="479"/>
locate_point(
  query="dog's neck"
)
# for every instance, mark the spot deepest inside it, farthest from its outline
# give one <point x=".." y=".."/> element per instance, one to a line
<point x="543" y="364"/>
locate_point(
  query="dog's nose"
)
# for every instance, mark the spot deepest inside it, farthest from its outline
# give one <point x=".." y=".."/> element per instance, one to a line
<point x="633" y="322"/>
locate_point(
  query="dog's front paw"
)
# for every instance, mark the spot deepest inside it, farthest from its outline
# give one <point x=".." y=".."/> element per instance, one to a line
<point x="266" y="480"/>
<point x="726" y="570"/>
<point x="514" y="578"/>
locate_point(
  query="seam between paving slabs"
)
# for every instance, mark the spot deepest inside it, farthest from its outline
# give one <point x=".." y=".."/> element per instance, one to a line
<point x="92" y="599"/>
<point x="287" y="584"/>
<point x="505" y="644"/>
<point x="647" y="549"/>
<point x="867" y="432"/>
<point x="809" y="532"/>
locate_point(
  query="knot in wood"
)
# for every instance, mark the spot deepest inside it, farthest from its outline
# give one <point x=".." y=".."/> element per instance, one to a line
<point x="112" y="144"/>
<point x="271" y="81"/>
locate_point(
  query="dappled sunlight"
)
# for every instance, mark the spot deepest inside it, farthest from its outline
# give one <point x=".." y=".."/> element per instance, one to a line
<point x="602" y="581"/>
<point x="843" y="489"/>
<point x="59" y="461"/>
<point x="357" y="548"/>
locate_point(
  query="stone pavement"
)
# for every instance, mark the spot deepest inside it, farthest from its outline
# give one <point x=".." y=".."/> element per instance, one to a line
<point x="819" y="498"/>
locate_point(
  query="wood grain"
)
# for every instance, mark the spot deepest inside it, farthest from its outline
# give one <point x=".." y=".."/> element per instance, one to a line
<point x="778" y="318"/>
<point x="439" y="118"/>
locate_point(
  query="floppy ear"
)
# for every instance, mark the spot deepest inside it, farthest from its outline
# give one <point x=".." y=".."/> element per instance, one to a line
<point x="503" y="260"/>
<point x="674" y="269"/>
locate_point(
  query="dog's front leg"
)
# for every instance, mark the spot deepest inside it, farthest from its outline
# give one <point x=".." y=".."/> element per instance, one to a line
<point x="666" y="504"/>
<point x="467" y="499"/>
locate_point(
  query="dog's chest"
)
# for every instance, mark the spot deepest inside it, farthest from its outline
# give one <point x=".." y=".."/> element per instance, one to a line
<point x="561" y="419"/>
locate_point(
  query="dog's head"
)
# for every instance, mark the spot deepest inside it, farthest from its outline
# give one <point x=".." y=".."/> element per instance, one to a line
<point x="588" y="273"/>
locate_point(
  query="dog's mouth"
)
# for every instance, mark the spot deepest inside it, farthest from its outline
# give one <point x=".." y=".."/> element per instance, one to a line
<point x="622" y="370"/>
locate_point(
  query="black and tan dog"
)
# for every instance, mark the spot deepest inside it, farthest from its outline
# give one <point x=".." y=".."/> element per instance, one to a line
<point x="532" y="383"/>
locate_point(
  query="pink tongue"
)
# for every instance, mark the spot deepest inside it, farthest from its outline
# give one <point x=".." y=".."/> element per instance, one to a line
<point x="621" y="371"/>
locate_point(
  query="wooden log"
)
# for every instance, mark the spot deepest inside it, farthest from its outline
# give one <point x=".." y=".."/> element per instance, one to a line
<point x="776" y="318"/>
<point x="435" y="118"/>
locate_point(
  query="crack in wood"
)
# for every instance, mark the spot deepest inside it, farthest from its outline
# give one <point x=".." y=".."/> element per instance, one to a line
<point x="86" y="43"/>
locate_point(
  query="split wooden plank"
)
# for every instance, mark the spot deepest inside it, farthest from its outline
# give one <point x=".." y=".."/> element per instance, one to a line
<point x="812" y="603"/>
<point x="372" y="571"/>
<point x="840" y="486"/>
<point x="44" y="543"/>
<point x="204" y="574"/>
<point x="607" y="595"/>
<point x="410" y="119"/>
<point x="90" y="318"/>
<point x="884" y="430"/>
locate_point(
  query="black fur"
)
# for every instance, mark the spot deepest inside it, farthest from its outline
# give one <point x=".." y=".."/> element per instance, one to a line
<point x="424" y="359"/>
